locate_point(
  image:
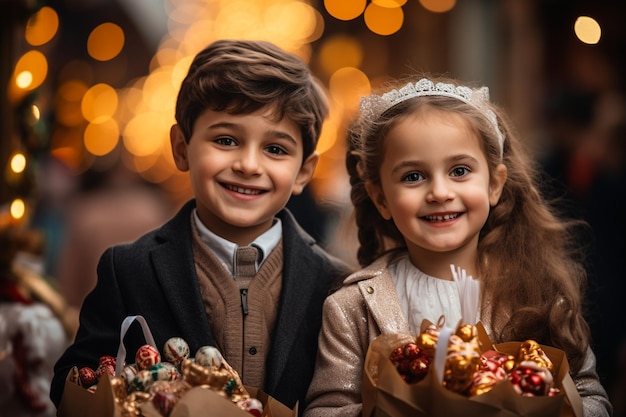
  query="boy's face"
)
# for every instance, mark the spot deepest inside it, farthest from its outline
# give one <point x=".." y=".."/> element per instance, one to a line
<point x="243" y="170"/>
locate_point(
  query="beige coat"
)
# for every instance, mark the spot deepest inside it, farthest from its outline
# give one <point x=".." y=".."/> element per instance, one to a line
<point x="366" y="306"/>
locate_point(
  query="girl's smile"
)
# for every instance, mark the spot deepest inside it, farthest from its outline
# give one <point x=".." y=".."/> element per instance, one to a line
<point x="435" y="185"/>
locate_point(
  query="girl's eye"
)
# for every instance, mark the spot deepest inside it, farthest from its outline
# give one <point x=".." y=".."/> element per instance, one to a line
<point x="413" y="177"/>
<point x="226" y="141"/>
<point x="460" y="171"/>
<point x="276" y="150"/>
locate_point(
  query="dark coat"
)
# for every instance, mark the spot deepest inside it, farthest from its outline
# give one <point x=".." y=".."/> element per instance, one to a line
<point x="155" y="277"/>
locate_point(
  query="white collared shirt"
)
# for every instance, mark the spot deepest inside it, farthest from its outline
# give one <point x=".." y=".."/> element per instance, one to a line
<point x="225" y="250"/>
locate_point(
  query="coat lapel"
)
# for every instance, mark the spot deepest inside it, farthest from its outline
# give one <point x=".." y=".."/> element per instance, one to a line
<point x="298" y="266"/>
<point x="381" y="297"/>
<point x="175" y="270"/>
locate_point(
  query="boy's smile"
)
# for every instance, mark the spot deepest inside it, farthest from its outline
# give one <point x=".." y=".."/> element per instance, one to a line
<point x="243" y="170"/>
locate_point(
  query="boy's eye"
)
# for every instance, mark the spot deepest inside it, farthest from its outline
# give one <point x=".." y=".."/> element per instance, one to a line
<point x="413" y="177"/>
<point x="276" y="150"/>
<point x="226" y="141"/>
<point x="460" y="171"/>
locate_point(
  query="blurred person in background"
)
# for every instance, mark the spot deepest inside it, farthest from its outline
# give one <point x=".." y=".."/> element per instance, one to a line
<point x="111" y="206"/>
<point x="35" y="324"/>
<point x="586" y="170"/>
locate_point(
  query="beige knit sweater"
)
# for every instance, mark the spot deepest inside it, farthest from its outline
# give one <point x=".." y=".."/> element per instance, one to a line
<point x="244" y="340"/>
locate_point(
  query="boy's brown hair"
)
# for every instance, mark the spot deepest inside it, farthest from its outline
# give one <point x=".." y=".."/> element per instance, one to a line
<point x="243" y="76"/>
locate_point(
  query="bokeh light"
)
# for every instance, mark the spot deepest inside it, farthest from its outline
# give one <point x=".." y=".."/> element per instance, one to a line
<point x="69" y="96"/>
<point x="348" y="85"/>
<point x="588" y="30"/>
<point x="340" y="51"/>
<point x="438" y="6"/>
<point x="383" y="20"/>
<point x="18" y="163"/>
<point x="390" y="3"/>
<point x="345" y="9"/>
<point x="17" y="208"/>
<point x="99" y="103"/>
<point x="102" y="137"/>
<point x="105" y="42"/>
<point x="42" y="26"/>
<point x="31" y="70"/>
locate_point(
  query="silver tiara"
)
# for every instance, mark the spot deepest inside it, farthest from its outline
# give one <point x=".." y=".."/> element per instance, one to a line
<point x="372" y="107"/>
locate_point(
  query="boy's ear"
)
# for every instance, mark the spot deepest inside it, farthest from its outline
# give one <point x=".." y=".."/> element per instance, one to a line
<point x="496" y="185"/>
<point x="378" y="198"/>
<point x="305" y="174"/>
<point x="179" y="148"/>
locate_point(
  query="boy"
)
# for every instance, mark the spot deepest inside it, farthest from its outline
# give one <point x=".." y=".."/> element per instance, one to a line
<point x="248" y="118"/>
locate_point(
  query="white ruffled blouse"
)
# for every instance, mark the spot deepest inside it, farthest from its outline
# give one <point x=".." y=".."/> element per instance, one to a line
<point x="424" y="297"/>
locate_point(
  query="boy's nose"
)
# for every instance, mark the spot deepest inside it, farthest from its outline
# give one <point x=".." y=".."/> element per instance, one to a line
<point x="248" y="162"/>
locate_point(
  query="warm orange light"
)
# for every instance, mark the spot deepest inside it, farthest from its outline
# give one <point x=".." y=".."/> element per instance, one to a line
<point x="587" y="30"/>
<point x="99" y="103"/>
<point x="101" y="138"/>
<point x="17" y="208"/>
<point x="42" y="26"/>
<point x="31" y="70"/>
<point x="345" y="9"/>
<point x="348" y="85"/>
<point x="383" y="20"/>
<point x="340" y="51"/>
<point x="18" y="163"/>
<point x="105" y="42"/>
<point x="438" y="6"/>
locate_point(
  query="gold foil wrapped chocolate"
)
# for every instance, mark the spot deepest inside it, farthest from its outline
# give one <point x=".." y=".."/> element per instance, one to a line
<point x="470" y="371"/>
<point x="531" y="351"/>
<point x="462" y="359"/>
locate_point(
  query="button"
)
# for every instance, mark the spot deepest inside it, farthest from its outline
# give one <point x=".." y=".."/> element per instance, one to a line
<point x="252" y="350"/>
<point x="370" y="290"/>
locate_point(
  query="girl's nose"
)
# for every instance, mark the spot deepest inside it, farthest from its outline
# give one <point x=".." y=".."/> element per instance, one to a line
<point x="439" y="191"/>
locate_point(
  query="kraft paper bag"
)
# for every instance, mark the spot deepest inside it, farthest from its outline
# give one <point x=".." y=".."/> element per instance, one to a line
<point x="78" y="401"/>
<point x="386" y="394"/>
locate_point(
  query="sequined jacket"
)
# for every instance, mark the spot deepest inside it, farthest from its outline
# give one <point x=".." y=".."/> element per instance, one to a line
<point x="365" y="307"/>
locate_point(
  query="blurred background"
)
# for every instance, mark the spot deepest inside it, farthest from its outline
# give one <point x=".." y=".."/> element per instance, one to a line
<point x="88" y="90"/>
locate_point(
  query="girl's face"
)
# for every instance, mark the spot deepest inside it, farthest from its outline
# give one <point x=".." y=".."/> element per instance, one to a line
<point x="435" y="185"/>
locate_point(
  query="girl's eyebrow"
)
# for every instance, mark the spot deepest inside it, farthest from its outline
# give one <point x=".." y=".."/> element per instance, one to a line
<point x="406" y="164"/>
<point x="416" y="163"/>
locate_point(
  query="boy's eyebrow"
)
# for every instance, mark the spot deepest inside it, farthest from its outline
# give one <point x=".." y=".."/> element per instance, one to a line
<point x="272" y="133"/>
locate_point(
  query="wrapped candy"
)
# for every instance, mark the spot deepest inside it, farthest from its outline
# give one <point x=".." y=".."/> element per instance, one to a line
<point x="129" y="372"/>
<point x="462" y="359"/>
<point x="470" y="372"/>
<point x="87" y="376"/>
<point x="412" y="362"/>
<point x="493" y="368"/>
<point x="107" y="360"/>
<point x="176" y="350"/>
<point x="146" y="356"/>
<point x="252" y="406"/>
<point x="105" y="368"/>
<point x="209" y="356"/>
<point x="161" y="384"/>
<point x="531" y="351"/>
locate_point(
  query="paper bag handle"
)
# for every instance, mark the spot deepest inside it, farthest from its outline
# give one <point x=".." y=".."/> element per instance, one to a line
<point x="121" y="352"/>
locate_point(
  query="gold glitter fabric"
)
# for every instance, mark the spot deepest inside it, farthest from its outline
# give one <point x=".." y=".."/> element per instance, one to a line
<point x="366" y="306"/>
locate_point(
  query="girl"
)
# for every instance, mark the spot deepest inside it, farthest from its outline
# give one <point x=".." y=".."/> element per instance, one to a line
<point x="439" y="179"/>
